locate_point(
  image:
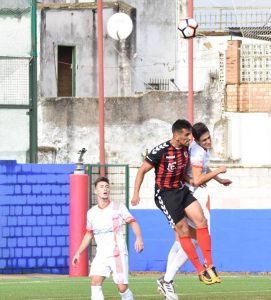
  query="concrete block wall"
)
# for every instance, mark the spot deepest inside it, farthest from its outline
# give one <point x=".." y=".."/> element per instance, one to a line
<point x="240" y="215"/>
<point x="146" y="190"/>
<point x="250" y="188"/>
<point x="34" y="217"/>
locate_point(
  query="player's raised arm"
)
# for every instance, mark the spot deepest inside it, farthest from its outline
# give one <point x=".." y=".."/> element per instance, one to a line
<point x="223" y="181"/>
<point x="200" y="178"/>
<point x="145" y="167"/>
<point x="84" y="244"/>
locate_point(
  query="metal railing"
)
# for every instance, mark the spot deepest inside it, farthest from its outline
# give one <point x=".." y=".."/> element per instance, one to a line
<point x="157" y="84"/>
<point x="219" y="19"/>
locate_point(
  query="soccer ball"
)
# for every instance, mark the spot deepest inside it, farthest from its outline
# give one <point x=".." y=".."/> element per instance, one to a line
<point x="188" y="28"/>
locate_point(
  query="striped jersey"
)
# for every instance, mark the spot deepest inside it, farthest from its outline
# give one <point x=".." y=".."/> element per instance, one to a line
<point x="170" y="165"/>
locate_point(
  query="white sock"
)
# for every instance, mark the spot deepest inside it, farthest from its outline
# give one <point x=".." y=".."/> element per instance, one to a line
<point x="97" y="293"/>
<point x="176" y="259"/>
<point x="127" y="295"/>
<point x="172" y="253"/>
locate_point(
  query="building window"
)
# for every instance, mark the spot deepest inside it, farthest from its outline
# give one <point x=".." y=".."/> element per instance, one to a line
<point x="157" y="84"/>
<point x="66" y="71"/>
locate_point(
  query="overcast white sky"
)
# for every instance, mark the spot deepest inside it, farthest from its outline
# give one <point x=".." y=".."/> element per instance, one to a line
<point x="232" y="3"/>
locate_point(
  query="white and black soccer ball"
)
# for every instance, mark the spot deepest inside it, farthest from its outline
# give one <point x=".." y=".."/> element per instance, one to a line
<point x="188" y="28"/>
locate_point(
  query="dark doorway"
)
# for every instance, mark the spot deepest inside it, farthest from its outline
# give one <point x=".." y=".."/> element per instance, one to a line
<point x="66" y="71"/>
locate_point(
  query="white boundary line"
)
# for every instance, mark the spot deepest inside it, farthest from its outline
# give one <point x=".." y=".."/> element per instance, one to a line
<point x="87" y="279"/>
<point x="157" y="295"/>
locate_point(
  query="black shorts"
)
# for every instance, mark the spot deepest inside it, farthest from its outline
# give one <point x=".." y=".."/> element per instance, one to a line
<point x="173" y="202"/>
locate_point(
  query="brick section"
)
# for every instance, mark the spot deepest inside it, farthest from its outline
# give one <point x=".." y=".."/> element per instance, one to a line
<point x="233" y="62"/>
<point x="34" y="215"/>
<point x="248" y="97"/>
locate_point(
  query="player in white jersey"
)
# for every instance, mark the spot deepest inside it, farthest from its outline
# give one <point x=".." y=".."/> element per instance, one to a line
<point x="201" y="174"/>
<point x="105" y="225"/>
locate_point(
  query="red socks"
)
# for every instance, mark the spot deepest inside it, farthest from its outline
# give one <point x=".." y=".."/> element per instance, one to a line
<point x="204" y="242"/>
<point x="190" y="250"/>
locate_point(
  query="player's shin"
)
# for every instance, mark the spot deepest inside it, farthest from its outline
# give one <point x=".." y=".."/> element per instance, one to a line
<point x="190" y="250"/>
<point x="176" y="260"/>
<point x="97" y="293"/>
<point x="127" y="295"/>
<point x="204" y="242"/>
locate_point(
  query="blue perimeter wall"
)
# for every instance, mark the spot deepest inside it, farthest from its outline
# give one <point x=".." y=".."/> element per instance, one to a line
<point x="34" y="227"/>
<point x="34" y="218"/>
<point x="241" y="241"/>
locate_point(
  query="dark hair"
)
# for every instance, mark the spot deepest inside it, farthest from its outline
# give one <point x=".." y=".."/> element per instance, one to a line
<point x="181" y="124"/>
<point x="100" y="179"/>
<point x="198" y="130"/>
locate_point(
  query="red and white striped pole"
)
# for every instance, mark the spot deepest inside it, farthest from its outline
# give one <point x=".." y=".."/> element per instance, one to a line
<point x="78" y="216"/>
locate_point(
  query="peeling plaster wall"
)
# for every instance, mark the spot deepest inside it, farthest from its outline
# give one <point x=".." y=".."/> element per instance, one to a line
<point x="156" y="41"/>
<point x="132" y="124"/>
<point x="60" y="27"/>
<point x="149" y="53"/>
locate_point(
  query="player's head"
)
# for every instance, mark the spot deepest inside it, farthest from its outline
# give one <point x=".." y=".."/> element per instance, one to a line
<point x="181" y="130"/>
<point x="102" y="188"/>
<point x="201" y="135"/>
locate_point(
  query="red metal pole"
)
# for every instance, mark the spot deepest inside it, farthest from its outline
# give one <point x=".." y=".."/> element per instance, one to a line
<point x="78" y="216"/>
<point x="101" y="83"/>
<point x="190" y="70"/>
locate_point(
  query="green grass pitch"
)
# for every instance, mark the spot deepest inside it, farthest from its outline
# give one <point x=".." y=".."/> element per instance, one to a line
<point x="188" y="287"/>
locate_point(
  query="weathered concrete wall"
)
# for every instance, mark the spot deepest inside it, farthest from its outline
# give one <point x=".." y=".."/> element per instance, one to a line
<point x="149" y="53"/>
<point x="78" y="29"/>
<point x="132" y="124"/>
<point x="156" y="40"/>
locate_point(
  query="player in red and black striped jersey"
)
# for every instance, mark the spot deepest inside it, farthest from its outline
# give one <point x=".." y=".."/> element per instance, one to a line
<point x="170" y="165"/>
<point x="170" y="161"/>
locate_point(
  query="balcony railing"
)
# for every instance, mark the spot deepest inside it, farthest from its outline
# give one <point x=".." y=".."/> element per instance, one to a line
<point x="220" y="19"/>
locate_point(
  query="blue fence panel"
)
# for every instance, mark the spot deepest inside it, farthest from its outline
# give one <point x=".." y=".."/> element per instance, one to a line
<point x="34" y="217"/>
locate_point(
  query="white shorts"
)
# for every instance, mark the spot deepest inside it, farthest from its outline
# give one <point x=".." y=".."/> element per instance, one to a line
<point x="202" y="195"/>
<point x="117" y="265"/>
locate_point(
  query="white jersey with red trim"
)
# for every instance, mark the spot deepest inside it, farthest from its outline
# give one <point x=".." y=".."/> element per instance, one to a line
<point x="199" y="158"/>
<point x="106" y="224"/>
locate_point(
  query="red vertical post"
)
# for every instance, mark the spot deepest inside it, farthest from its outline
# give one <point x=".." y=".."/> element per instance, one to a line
<point x="101" y="82"/>
<point x="78" y="216"/>
<point x="190" y="70"/>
